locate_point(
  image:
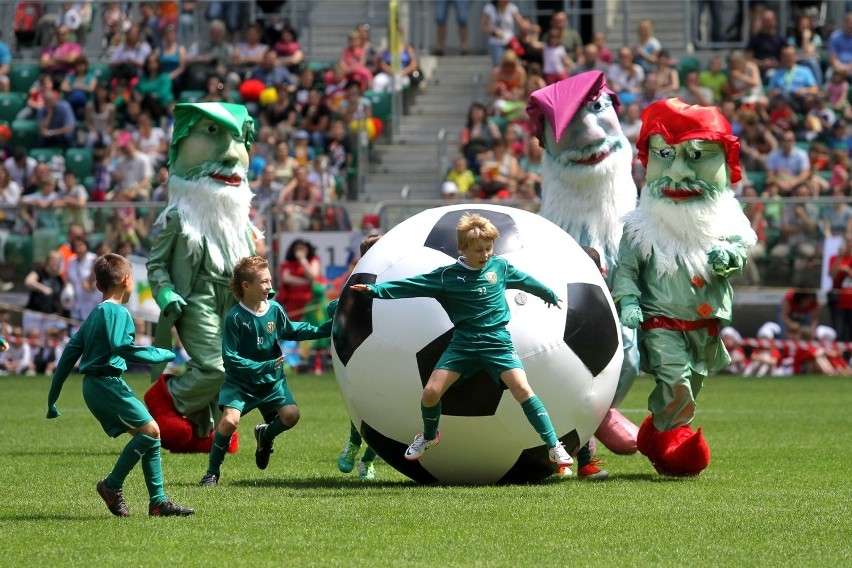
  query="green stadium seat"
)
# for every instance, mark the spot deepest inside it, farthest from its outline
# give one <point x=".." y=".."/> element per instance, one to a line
<point x="44" y="155"/>
<point x="320" y="66"/>
<point x="25" y="133"/>
<point x="101" y="70"/>
<point x="381" y="104"/>
<point x="11" y="104"/>
<point x="191" y="96"/>
<point x="758" y="180"/>
<point x="22" y="76"/>
<point x="87" y="181"/>
<point x="80" y="161"/>
<point x="235" y="96"/>
<point x="687" y="64"/>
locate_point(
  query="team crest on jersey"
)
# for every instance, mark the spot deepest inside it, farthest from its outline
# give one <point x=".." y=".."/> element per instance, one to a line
<point x="270" y="326"/>
<point x="491" y="277"/>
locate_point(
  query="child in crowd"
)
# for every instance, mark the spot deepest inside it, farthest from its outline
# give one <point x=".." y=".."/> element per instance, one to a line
<point x="44" y="356"/>
<point x="800" y="358"/>
<point x="19" y="357"/>
<point x="346" y="459"/>
<point x="103" y="344"/>
<point x="733" y="342"/>
<point x="764" y="358"/>
<point x="472" y="291"/>
<point x="254" y="376"/>
<point x="832" y="351"/>
<point x="461" y="176"/>
<point x="555" y="60"/>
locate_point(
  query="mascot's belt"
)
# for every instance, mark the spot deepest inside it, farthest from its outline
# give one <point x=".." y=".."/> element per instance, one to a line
<point x="673" y="324"/>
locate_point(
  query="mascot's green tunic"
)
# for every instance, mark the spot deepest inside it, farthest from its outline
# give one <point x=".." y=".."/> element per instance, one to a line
<point x="203" y="231"/>
<point x="679" y="247"/>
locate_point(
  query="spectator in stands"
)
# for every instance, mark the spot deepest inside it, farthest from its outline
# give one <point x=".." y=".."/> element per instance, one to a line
<point x="788" y="166"/>
<point x="631" y="122"/>
<point x="808" y="45"/>
<point x="353" y="63"/>
<point x="133" y="170"/>
<point x="100" y="117"/>
<point x="5" y="142"/>
<point x="764" y="46"/>
<point x="35" y="97"/>
<point x="799" y="239"/>
<point x="625" y="77"/>
<point x="569" y="38"/>
<point x="506" y="85"/>
<point x="650" y="93"/>
<point x="840" y="295"/>
<point x="647" y="47"/>
<point x="40" y="207"/>
<point x="668" y="77"/>
<point x="248" y="54"/>
<point x="745" y="84"/>
<point x="693" y="93"/>
<point x="21" y="167"/>
<point x="78" y="87"/>
<point x="799" y="307"/>
<point x="302" y="150"/>
<point x="498" y="22"/>
<point x="267" y="192"/>
<point x="72" y="201"/>
<point x="271" y="74"/>
<point x="756" y="142"/>
<point x="154" y="89"/>
<point x="81" y="278"/>
<point x="714" y="78"/>
<point x="44" y="283"/>
<point x="172" y="58"/>
<point x="354" y="106"/>
<point x="152" y="140"/>
<point x="604" y="53"/>
<point x="56" y="123"/>
<point x="316" y="115"/>
<point x="837" y="95"/>
<point x="58" y="59"/>
<point x="754" y="212"/>
<point x="836" y="217"/>
<point x="442" y="11"/>
<point x="212" y="56"/>
<point x="840" y="48"/>
<point x="114" y="22"/>
<point x="477" y="136"/>
<point x="461" y="177"/>
<point x="500" y="172"/>
<point x="556" y="62"/>
<point x="383" y="81"/>
<point x="297" y="193"/>
<point x="297" y="274"/>
<point x="128" y="59"/>
<point x="18" y="360"/>
<point x="5" y="65"/>
<point x="229" y="12"/>
<point x="288" y="50"/>
<point x="792" y="81"/>
<point x="589" y="61"/>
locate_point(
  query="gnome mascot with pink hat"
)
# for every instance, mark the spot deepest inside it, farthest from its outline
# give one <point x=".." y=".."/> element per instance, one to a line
<point x="586" y="189"/>
<point x="681" y="244"/>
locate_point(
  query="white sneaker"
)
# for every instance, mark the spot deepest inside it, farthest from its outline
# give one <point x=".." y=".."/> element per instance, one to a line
<point x="420" y="445"/>
<point x="560" y="456"/>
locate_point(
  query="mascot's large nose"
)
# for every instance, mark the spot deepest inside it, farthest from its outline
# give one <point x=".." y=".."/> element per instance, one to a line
<point x="231" y="155"/>
<point x="589" y="131"/>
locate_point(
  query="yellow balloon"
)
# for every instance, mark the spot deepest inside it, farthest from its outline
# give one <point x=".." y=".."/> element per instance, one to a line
<point x="268" y="96"/>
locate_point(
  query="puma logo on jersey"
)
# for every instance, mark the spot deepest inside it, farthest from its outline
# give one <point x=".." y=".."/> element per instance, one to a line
<point x="462" y="278"/>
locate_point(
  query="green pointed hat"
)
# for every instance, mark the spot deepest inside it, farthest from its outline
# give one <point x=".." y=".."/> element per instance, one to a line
<point x="233" y="116"/>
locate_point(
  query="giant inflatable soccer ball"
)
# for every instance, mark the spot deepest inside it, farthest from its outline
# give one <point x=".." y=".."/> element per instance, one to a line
<point x="385" y="350"/>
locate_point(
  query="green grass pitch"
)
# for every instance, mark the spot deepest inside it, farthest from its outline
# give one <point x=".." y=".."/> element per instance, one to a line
<point x="778" y="492"/>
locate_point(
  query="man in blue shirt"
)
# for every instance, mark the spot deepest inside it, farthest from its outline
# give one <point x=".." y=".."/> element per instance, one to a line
<point x="56" y="122"/>
<point x="840" y="48"/>
<point x="5" y="65"/>
<point x="791" y="81"/>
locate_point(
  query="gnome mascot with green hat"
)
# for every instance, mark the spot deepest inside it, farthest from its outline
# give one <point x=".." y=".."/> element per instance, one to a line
<point x="203" y="231"/>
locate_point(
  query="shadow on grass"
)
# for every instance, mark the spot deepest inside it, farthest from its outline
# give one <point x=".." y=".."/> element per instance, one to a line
<point x="61" y="453"/>
<point x="319" y="483"/>
<point x="32" y="517"/>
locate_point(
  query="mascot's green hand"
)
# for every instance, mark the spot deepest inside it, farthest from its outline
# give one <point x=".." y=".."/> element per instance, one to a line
<point x="52" y="411"/>
<point x="175" y="307"/>
<point x="631" y="314"/>
<point x="719" y="258"/>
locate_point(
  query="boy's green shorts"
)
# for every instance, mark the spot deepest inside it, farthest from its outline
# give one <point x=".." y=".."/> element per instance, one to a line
<point x="467" y="362"/>
<point x="114" y="405"/>
<point x="267" y="397"/>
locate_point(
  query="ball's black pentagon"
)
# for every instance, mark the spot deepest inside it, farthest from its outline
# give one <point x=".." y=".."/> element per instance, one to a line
<point x="473" y="395"/>
<point x="353" y="319"/>
<point x="442" y="237"/>
<point x="590" y="328"/>
<point x="393" y="453"/>
<point x="533" y="464"/>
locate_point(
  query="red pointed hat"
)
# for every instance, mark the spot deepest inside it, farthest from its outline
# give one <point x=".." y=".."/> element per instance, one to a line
<point x="559" y="102"/>
<point x="678" y="122"/>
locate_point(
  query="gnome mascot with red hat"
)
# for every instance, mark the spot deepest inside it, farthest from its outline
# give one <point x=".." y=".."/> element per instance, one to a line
<point x="682" y="243"/>
<point x="586" y="189"/>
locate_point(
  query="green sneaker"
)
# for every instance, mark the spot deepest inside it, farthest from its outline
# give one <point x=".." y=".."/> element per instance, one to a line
<point x="366" y="470"/>
<point x="346" y="459"/>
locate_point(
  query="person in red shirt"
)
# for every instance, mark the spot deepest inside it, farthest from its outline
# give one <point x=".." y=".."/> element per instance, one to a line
<point x="840" y="296"/>
<point x="802" y="307"/>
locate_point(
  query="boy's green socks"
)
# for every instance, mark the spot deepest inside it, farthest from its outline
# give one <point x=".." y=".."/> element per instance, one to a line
<point x="135" y="449"/>
<point x="217" y="452"/>
<point x="431" y="417"/>
<point x="274" y="428"/>
<point x="538" y="417"/>
<point x="152" y="470"/>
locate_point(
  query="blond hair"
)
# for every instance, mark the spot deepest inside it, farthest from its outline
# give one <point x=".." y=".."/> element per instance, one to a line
<point x="473" y="226"/>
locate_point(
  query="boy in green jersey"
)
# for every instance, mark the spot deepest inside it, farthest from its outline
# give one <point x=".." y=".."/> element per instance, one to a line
<point x="254" y="372"/>
<point x="103" y="344"/>
<point x="473" y="292"/>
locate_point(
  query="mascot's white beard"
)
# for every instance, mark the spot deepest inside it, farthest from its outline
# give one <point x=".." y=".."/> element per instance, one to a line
<point x="593" y="198"/>
<point x="684" y="232"/>
<point x="214" y="212"/>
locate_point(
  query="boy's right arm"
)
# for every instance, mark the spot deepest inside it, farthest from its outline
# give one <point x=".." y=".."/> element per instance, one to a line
<point x="64" y="367"/>
<point x="423" y="286"/>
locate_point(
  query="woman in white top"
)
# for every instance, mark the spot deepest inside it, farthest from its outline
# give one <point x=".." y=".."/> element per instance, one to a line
<point x="81" y="278"/>
<point x="498" y="23"/>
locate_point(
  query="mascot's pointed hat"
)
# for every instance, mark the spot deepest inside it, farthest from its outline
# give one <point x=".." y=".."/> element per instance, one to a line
<point x="559" y="102"/>
<point x="232" y="116"/>
<point x="678" y="122"/>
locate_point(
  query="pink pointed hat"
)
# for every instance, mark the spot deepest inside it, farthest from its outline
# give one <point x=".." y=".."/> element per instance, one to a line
<point x="559" y="102"/>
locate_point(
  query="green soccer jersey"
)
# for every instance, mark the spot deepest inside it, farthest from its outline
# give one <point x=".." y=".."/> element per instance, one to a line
<point x="250" y="341"/>
<point x="103" y="344"/>
<point x="475" y="300"/>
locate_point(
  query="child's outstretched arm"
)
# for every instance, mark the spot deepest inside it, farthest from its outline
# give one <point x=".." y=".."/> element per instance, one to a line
<point x="427" y="285"/>
<point x="516" y="279"/>
<point x="121" y="338"/>
<point x="64" y="367"/>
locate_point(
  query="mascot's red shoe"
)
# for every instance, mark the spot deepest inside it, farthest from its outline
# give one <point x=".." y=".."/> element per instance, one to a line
<point x="175" y="430"/>
<point x="646" y="439"/>
<point x="618" y="433"/>
<point x="683" y="452"/>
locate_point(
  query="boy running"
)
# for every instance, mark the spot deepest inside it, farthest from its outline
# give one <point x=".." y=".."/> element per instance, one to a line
<point x="254" y="375"/>
<point x="473" y="293"/>
<point x="103" y="344"/>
